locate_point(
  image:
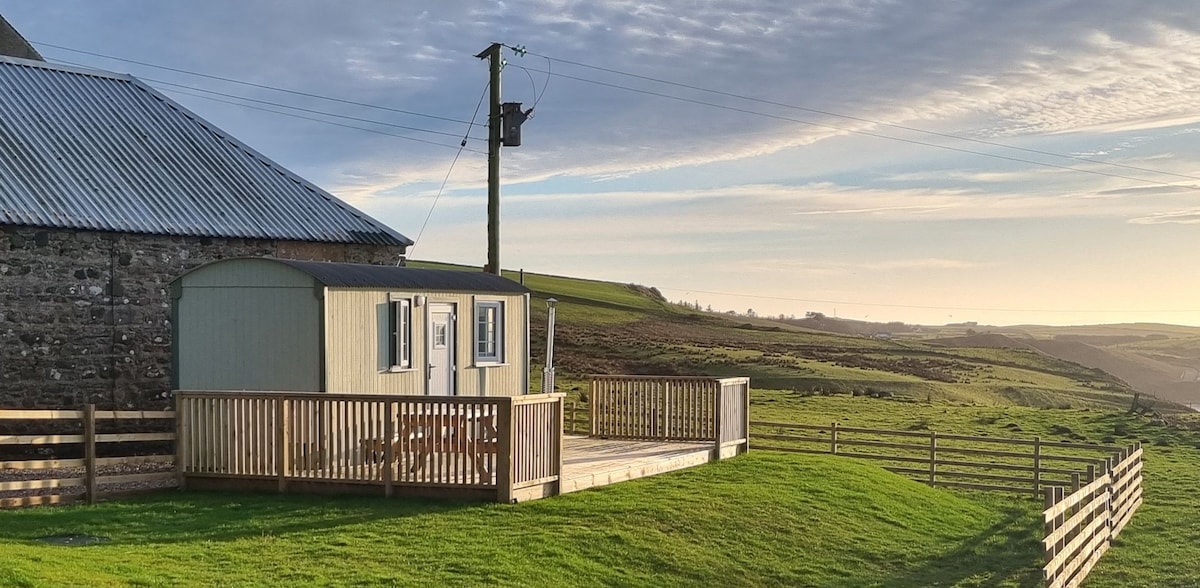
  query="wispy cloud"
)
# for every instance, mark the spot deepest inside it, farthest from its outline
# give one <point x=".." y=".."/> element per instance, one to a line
<point x="1181" y="217"/>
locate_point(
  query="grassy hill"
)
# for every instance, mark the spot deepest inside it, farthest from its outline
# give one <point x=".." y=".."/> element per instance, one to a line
<point x="606" y="327"/>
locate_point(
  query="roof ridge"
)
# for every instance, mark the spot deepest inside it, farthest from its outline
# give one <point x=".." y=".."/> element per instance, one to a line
<point x="73" y="69"/>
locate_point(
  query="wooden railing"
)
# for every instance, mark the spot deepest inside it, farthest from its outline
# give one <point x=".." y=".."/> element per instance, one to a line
<point x="1081" y="525"/>
<point x="671" y="408"/>
<point x="496" y="448"/>
<point x="960" y="461"/>
<point x="60" y="480"/>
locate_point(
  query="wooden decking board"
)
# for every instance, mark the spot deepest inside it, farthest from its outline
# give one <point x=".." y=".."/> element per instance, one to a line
<point x="588" y="462"/>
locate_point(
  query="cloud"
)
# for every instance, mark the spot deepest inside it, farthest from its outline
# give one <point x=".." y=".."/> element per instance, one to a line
<point x="1181" y="217"/>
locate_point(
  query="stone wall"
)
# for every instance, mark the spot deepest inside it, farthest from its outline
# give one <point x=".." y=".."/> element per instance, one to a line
<point x="85" y="316"/>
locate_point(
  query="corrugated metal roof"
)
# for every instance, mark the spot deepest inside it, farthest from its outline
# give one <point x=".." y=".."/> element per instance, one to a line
<point x="87" y="149"/>
<point x="359" y="275"/>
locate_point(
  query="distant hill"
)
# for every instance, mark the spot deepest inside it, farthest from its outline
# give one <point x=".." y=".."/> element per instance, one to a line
<point x="606" y="327"/>
<point x="986" y="340"/>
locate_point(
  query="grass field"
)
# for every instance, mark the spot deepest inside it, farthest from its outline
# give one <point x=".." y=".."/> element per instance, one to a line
<point x="759" y="520"/>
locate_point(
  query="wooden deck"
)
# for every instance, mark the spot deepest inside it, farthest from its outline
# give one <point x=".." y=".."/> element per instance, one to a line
<point x="502" y="449"/>
<point x="589" y="462"/>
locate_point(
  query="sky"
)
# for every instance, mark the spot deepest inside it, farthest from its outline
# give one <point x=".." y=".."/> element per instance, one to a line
<point x="1027" y="161"/>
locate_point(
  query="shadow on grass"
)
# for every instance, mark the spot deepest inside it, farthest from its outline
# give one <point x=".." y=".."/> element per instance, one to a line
<point x="1008" y="553"/>
<point x="203" y="516"/>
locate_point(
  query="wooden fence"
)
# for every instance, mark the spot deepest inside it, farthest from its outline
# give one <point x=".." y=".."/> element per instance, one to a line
<point x="1105" y="481"/>
<point x="29" y="482"/>
<point x="958" y="461"/>
<point x="672" y="408"/>
<point x="491" y="448"/>
<point x="1081" y="525"/>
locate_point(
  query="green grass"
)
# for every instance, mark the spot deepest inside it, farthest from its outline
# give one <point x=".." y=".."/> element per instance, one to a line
<point x="758" y="520"/>
<point x="1161" y="544"/>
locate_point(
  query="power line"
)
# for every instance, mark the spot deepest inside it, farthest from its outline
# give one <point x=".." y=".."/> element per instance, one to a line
<point x="314" y="119"/>
<point x="255" y="85"/>
<point x="449" y="171"/>
<point x="921" y="307"/>
<point x="301" y="109"/>
<point x="861" y="132"/>
<point x="856" y="118"/>
<point x="175" y="90"/>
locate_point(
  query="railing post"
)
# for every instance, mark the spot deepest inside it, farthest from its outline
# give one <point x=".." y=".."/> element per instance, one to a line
<point x="504" y="450"/>
<point x="558" y="445"/>
<point x="1037" y="466"/>
<point x="717" y="424"/>
<point x="89" y="451"/>
<point x="746" y="408"/>
<point x="833" y="438"/>
<point x="932" y="458"/>
<point x="1075" y="483"/>
<point x="282" y="433"/>
<point x="389" y="449"/>
<point x="593" y="407"/>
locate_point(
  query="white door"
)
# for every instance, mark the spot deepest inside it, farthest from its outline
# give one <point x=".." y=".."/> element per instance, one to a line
<point x="441" y="350"/>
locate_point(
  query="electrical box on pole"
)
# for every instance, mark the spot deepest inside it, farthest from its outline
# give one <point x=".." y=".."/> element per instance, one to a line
<point x="511" y="119"/>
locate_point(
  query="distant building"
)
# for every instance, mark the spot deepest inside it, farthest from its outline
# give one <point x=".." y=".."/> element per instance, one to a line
<point x="109" y="191"/>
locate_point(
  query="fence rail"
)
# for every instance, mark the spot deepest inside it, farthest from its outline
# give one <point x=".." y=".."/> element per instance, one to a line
<point x="497" y="448"/>
<point x="31" y="482"/>
<point x="959" y="461"/>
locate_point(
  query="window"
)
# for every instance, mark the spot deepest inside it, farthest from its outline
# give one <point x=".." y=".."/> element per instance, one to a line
<point x="400" y="329"/>
<point x="489" y="332"/>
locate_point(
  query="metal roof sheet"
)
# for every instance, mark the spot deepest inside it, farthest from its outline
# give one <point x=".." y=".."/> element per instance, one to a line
<point x="358" y="275"/>
<point x="88" y="149"/>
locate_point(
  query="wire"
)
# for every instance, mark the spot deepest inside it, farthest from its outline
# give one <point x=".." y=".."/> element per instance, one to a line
<point x="254" y="85"/>
<point x="856" y="118"/>
<point x="308" y="110"/>
<point x="915" y="306"/>
<point x="328" y="122"/>
<point x="868" y="133"/>
<point x="449" y="171"/>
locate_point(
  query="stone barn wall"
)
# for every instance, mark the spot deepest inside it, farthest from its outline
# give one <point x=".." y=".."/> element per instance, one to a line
<point x="85" y="315"/>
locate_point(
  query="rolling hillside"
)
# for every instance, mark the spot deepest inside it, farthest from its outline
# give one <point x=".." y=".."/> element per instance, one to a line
<point x="606" y="327"/>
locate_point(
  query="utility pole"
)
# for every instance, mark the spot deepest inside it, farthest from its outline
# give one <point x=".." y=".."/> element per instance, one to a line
<point x="494" y="124"/>
<point x="504" y="130"/>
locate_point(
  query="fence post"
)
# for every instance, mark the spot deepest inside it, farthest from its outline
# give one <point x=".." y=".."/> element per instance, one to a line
<point x="182" y="434"/>
<point x="573" y="407"/>
<point x="1109" y="465"/>
<point x="89" y="451"/>
<point x="1075" y="482"/>
<point x="1049" y="527"/>
<point x="505" y="427"/>
<point x="1037" y="466"/>
<point x="932" y="458"/>
<point x="833" y="438"/>
<point x="282" y="447"/>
